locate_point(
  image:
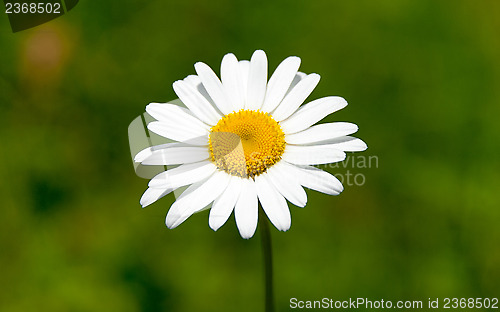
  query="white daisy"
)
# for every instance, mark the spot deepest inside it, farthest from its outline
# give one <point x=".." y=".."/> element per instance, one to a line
<point x="242" y="140"/>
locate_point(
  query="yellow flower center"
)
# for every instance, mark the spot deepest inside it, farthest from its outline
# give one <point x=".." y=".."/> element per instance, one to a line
<point x="246" y="143"/>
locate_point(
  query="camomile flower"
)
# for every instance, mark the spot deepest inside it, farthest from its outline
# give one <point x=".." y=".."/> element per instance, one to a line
<point x="243" y="139"/>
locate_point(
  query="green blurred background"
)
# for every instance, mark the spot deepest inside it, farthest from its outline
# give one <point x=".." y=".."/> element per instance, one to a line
<point x="422" y="79"/>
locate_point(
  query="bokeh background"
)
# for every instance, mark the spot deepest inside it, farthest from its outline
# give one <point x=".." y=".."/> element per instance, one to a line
<point x="423" y="82"/>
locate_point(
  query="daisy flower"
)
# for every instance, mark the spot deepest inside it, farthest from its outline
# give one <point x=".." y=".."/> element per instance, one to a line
<point x="243" y="139"/>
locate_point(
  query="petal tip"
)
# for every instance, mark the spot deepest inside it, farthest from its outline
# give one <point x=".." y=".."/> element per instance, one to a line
<point x="341" y="102"/>
<point x="246" y="233"/>
<point x="294" y="58"/>
<point x="214" y="225"/>
<point x="201" y="66"/>
<point x="246" y="236"/>
<point x="169" y="222"/>
<point x="229" y="55"/>
<point x="214" y="228"/>
<point x="363" y="146"/>
<point x="259" y="52"/>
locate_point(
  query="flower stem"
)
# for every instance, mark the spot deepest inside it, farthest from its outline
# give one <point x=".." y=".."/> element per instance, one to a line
<point x="268" y="260"/>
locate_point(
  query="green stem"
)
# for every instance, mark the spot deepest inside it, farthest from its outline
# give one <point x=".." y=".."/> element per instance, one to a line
<point x="268" y="260"/>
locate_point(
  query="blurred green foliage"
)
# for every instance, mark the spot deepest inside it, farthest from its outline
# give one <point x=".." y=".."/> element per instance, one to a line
<point x="422" y="79"/>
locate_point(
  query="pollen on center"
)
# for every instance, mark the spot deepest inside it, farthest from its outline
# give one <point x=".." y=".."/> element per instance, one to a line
<point x="246" y="143"/>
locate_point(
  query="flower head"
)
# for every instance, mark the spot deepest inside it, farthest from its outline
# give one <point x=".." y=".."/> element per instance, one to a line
<point x="245" y="139"/>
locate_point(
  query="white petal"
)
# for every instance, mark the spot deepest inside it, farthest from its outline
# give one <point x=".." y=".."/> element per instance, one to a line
<point x="174" y="113"/>
<point x="178" y="131"/>
<point x="224" y="204"/>
<point x="246" y="209"/>
<point x="311" y="113"/>
<point x="214" y="87"/>
<point x="344" y="143"/>
<point x="195" y="82"/>
<point x="279" y="82"/>
<point x="176" y="155"/>
<point x="296" y="97"/>
<point x="315" y="179"/>
<point x="148" y="151"/>
<point x="312" y="155"/>
<point x="287" y="185"/>
<point x="153" y="194"/>
<point x="183" y="175"/>
<point x="244" y="67"/>
<point x="273" y="203"/>
<point x="199" y="196"/>
<point x="298" y="77"/>
<point x="257" y="81"/>
<point x="231" y="81"/>
<point x="321" y="133"/>
<point x="196" y="102"/>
